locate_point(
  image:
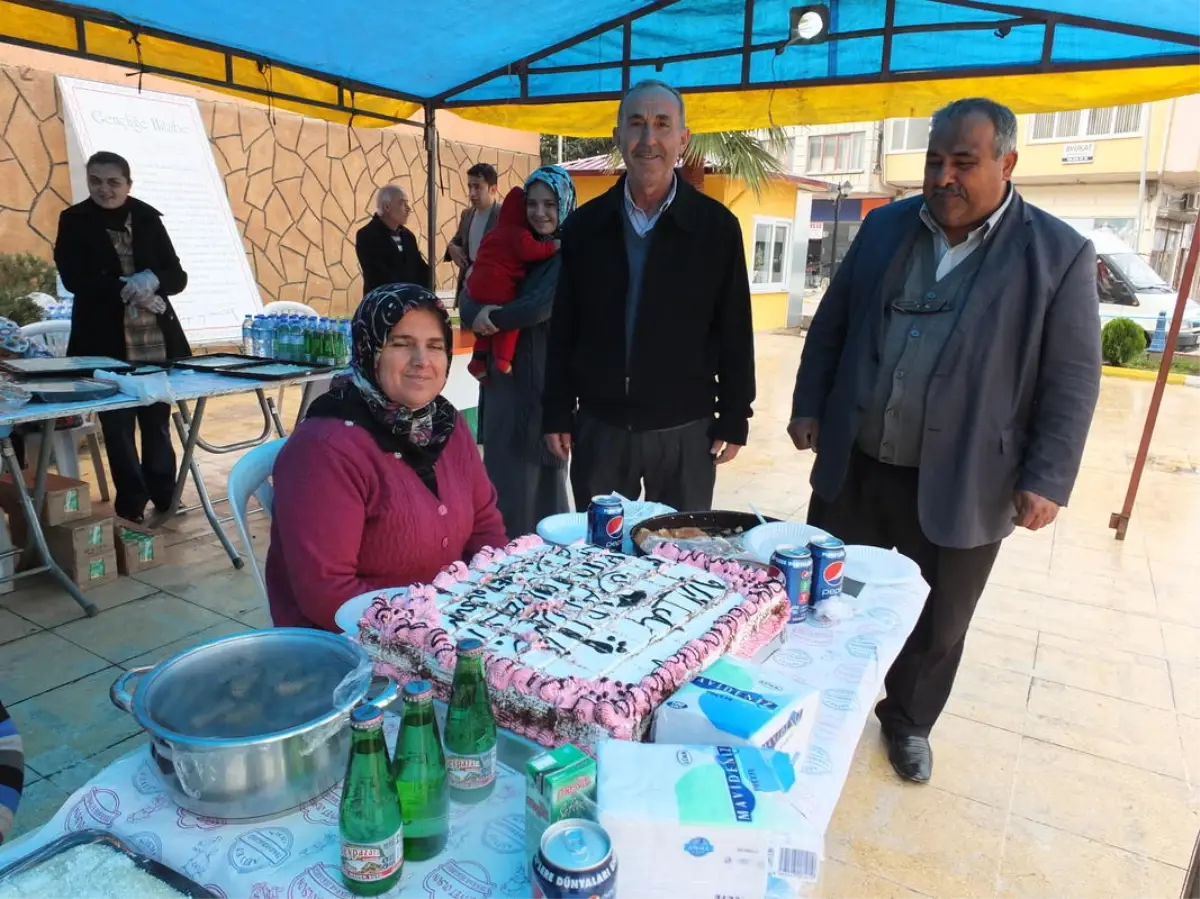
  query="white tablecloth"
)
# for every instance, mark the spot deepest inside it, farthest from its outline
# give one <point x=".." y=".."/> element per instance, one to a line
<point x="296" y="856"/>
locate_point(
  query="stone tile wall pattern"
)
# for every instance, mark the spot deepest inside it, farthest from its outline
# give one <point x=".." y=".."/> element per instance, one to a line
<point x="299" y="188"/>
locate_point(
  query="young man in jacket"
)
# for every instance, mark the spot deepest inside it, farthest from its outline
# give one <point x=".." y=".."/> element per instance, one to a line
<point x="650" y="368"/>
<point x="477" y="220"/>
<point x="387" y="251"/>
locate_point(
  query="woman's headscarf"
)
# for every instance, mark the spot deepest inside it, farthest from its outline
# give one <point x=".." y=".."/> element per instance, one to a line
<point x="557" y="179"/>
<point x="417" y="434"/>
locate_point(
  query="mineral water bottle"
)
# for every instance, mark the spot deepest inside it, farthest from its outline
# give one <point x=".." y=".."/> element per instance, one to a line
<point x="312" y="339"/>
<point x="328" y="355"/>
<point x="470" y="729"/>
<point x="369" y="820"/>
<point x="421" y="775"/>
<point x="248" y="335"/>
<point x="261" y="335"/>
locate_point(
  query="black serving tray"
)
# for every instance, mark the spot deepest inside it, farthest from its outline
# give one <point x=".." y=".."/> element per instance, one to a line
<point x="713" y="522"/>
<point x="275" y="370"/>
<point x="155" y="869"/>
<point x="62" y="367"/>
<point x="70" y="390"/>
<point x="218" y="362"/>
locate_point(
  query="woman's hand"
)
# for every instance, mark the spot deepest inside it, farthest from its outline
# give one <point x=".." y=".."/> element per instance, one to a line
<point x="483" y="322"/>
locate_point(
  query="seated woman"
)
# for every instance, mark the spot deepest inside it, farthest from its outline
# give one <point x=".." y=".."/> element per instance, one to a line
<point x="381" y="485"/>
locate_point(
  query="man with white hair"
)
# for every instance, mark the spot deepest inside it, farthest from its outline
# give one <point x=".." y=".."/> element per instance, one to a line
<point x="650" y="366"/>
<point x="387" y="251"/>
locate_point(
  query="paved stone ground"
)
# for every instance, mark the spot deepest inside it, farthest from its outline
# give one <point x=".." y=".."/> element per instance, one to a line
<point x="1068" y="761"/>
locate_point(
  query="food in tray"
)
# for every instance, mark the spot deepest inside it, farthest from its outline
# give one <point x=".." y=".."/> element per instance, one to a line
<point x="275" y="369"/>
<point x="93" y="871"/>
<point x="581" y="644"/>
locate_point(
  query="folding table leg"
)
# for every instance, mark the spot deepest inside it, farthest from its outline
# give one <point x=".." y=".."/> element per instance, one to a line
<point x="188" y="428"/>
<point x="34" y="525"/>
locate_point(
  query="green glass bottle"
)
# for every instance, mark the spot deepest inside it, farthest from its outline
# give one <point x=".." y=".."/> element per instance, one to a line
<point x="421" y="775"/>
<point x="470" y="729"/>
<point x="369" y="818"/>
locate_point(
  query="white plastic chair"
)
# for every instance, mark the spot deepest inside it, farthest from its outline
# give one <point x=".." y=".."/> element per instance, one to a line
<point x="287" y="307"/>
<point x="251" y="476"/>
<point x="54" y="336"/>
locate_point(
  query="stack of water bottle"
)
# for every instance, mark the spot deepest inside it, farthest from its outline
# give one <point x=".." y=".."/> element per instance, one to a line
<point x="298" y="338"/>
<point x="59" y="311"/>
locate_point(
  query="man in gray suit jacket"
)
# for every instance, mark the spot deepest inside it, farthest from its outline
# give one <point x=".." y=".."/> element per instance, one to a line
<point x="947" y="384"/>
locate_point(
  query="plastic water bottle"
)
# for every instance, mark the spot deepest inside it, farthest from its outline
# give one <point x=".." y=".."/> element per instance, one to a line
<point x="298" y="329"/>
<point x="258" y="336"/>
<point x="248" y="335"/>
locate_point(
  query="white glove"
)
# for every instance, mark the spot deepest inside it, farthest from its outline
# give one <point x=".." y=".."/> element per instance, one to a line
<point x="142" y="285"/>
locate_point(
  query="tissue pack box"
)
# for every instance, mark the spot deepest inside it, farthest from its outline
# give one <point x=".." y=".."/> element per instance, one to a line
<point x="704" y="821"/>
<point x="738" y="705"/>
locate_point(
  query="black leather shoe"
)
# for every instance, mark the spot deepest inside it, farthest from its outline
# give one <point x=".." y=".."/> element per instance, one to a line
<point x="910" y="756"/>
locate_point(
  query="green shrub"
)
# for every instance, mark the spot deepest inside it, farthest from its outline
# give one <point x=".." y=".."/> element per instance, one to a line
<point x="1122" y="341"/>
<point x="20" y="275"/>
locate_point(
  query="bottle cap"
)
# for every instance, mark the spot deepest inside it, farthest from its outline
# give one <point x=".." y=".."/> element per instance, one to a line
<point x="418" y="689"/>
<point x="366" y="716"/>
<point x="470" y="647"/>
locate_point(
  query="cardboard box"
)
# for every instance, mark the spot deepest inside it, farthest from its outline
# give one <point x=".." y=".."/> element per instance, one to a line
<point x="92" y="571"/>
<point x="138" y="547"/>
<point x="76" y="539"/>
<point x="66" y="499"/>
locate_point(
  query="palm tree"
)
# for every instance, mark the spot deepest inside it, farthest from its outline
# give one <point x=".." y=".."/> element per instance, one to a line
<point x="750" y="156"/>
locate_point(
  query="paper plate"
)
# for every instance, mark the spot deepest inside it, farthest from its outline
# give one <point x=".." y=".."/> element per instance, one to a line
<point x="877" y="566"/>
<point x="766" y="538"/>
<point x="352" y="610"/>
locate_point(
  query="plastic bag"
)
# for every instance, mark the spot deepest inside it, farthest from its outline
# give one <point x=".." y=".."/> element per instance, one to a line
<point x="155" y="388"/>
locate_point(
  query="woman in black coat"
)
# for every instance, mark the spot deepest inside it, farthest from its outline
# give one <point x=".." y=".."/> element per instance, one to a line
<point x="115" y="256"/>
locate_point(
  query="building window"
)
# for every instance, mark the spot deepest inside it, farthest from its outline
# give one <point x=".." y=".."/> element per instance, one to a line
<point x="1081" y="124"/>
<point x="772" y="246"/>
<point x="908" y="135"/>
<point x="829" y="153"/>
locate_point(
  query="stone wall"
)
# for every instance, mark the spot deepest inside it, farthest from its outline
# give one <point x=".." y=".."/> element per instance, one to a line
<point x="299" y="188"/>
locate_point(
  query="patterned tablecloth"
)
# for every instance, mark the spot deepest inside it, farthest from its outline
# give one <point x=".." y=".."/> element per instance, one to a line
<point x="296" y="855"/>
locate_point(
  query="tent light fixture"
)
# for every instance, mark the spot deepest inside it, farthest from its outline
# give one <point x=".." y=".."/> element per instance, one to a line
<point x="809" y="24"/>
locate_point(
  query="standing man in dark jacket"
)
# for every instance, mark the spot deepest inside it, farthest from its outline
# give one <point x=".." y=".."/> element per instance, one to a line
<point x="114" y="254"/>
<point x="650" y="370"/>
<point x="947" y="384"/>
<point x="387" y="251"/>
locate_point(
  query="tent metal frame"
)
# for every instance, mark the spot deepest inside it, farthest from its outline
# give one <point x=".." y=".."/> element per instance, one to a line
<point x="1009" y="16"/>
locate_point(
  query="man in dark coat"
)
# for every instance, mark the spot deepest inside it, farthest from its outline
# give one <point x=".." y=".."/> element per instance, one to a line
<point x="947" y="384"/>
<point x="387" y="251"/>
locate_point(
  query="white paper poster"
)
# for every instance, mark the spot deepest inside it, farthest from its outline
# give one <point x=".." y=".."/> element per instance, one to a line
<point x="163" y="137"/>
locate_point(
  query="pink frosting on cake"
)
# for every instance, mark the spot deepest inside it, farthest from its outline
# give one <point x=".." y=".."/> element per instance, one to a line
<point x="413" y="619"/>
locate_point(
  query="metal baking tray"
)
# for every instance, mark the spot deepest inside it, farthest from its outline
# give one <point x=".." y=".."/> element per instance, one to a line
<point x="62" y="367"/>
<point x="70" y="390"/>
<point x="155" y="869"/>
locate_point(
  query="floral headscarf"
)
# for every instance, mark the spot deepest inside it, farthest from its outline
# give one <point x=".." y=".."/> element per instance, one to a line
<point x="557" y="179"/>
<point x="419" y="435"/>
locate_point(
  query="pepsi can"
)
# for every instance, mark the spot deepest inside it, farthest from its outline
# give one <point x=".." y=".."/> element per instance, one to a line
<point x="829" y="562"/>
<point x="606" y="522"/>
<point x="575" y="861"/>
<point x="794" y="566"/>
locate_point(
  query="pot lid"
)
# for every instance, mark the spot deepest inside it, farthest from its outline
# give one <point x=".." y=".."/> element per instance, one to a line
<point x="261" y="684"/>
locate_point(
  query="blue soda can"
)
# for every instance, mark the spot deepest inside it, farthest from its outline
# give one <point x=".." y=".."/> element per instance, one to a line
<point x="794" y="566"/>
<point x="575" y="860"/>
<point x="606" y="523"/>
<point x="829" y="563"/>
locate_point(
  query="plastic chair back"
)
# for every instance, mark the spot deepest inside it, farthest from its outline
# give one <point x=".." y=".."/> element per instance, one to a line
<point x="53" y="335"/>
<point x="288" y="307"/>
<point x="249" y="477"/>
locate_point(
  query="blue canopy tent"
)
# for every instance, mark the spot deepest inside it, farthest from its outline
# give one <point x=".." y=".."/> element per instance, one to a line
<point x="561" y="67"/>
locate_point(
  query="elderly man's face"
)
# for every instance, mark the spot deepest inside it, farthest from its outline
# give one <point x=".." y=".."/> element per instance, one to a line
<point x="394" y="211"/>
<point x="965" y="181"/>
<point x="651" y="135"/>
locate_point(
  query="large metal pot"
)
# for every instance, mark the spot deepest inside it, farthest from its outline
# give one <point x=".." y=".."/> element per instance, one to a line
<point x="252" y="724"/>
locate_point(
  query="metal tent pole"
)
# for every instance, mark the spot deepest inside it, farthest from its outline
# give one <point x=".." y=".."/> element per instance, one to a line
<point x="1119" y="521"/>
<point x="431" y="173"/>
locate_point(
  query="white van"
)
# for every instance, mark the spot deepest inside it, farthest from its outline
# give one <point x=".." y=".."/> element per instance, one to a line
<point x="1130" y="288"/>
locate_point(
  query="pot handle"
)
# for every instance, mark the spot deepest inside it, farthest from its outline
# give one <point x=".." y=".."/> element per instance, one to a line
<point x="389" y="694"/>
<point x="120" y="692"/>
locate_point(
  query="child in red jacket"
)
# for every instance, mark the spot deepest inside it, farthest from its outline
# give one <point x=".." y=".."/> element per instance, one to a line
<point x="497" y="273"/>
